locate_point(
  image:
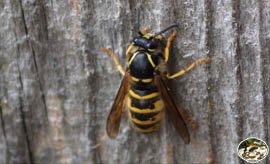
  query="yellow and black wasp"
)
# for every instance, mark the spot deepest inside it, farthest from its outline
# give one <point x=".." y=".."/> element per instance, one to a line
<point x="143" y="89"/>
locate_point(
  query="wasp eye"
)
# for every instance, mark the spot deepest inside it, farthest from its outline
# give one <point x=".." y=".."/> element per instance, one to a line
<point x="151" y="45"/>
<point x="135" y="40"/>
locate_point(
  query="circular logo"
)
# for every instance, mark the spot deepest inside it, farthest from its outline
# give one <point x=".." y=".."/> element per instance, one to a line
<point x="252" y="150"/>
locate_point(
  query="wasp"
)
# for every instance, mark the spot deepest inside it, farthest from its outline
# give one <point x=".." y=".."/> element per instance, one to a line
<point x="143" y="89"/>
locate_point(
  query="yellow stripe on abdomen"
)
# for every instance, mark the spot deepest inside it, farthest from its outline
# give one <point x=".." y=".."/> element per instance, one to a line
<point x="151" y="120"/>
<point x="145" y="109"/>
<point x="157" y="107"/>
<point x="141" y="80"/>
<point x="148" y="130"/>
<point x="152" y="95"/>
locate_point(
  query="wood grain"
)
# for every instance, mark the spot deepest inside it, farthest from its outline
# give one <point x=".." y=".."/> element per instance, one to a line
<point x="57" y="86"/>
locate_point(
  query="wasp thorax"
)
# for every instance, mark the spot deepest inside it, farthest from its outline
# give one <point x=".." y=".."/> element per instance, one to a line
<point x="142" y="65"/>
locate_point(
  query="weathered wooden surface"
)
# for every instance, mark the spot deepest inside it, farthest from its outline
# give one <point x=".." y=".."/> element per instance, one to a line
<point x="57" y="87"/>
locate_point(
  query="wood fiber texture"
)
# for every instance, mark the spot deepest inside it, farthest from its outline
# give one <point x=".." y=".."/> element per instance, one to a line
<point x="57" y="86"/>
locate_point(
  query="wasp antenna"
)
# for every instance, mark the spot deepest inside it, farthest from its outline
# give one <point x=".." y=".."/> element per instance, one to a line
<point x="140" y="33"/>
<point x="138" y="18"/>
<point x="166" y="29"/>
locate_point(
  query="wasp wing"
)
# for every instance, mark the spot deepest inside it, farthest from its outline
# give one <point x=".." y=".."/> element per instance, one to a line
<point x="114" y="119"/>
<point x="173" y="112"/>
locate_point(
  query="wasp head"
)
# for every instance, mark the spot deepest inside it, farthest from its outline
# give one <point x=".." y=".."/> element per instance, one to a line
<point x="150" y="41"/>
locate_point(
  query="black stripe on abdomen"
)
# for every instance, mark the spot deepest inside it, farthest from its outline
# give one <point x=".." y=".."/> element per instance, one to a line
<point x="145" y="109"/>
<point x="143" y="116"/>
<point x="142" y="104"/>
<point x="144" y="127"/>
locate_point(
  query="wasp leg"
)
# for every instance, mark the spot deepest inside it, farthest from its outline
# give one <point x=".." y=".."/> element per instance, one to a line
<point x="131" y="46"/>
<point x="185" y="115"/>
<point x="212" y="157"/>
<point x="180" y="73"/>
<point x="115" y="60"/>
<point x="168" y="46"/>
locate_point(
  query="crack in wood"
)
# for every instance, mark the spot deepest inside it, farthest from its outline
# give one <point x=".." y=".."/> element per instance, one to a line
<point x="40" y="84"/>
<point x="236" y="16"/>
<point x="45" y="19"/>
<point x="22" y="114"/>
<point x="35" y="63"/>
<point x="3" y="127"/>
<point x="264" y="42"/>
<point x="21" y="93"/>
<point x="93" y="84"/>
<point x="2" y="120"/>
<point x="209" y="44"/>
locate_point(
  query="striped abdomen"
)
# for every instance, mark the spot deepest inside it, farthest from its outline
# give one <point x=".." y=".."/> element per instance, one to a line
<point x="145" y="109"/>
<point x="144" y="101"/>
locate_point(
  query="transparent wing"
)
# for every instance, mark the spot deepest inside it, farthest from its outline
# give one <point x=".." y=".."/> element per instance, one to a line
<point x="114" y="119"/>
<point x="173" y="112"/>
